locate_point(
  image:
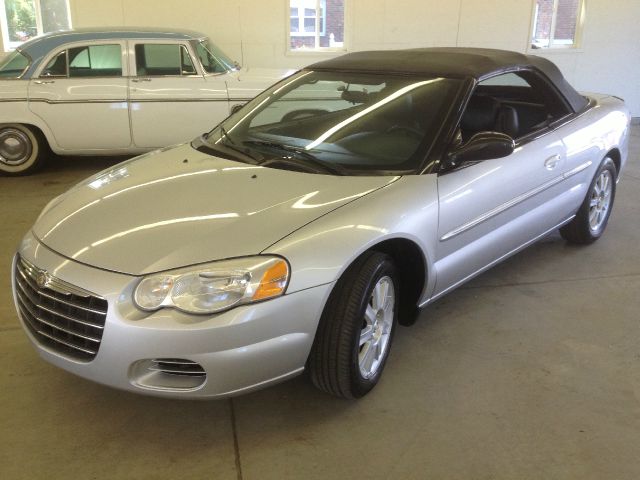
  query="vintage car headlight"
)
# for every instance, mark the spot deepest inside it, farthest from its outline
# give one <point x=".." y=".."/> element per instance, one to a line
<point x="214" y="287"/>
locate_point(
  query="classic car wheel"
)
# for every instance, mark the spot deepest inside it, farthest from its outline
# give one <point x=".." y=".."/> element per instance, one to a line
<point x="356" y="329"/>
<point x="20" y="150"/>
<point x="591" y="220"/>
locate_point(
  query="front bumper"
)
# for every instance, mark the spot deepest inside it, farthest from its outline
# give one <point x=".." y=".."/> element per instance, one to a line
<point x="240" y="350"/>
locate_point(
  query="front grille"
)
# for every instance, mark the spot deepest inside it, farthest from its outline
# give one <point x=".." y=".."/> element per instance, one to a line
<point x="64" y="318"/>
<point x="177" y="366"/>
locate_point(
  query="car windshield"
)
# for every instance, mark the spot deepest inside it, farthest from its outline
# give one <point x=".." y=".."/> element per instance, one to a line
<point x="213" y="59"/>
<point x="13" y="65"/>
<point x="341" y="122"/>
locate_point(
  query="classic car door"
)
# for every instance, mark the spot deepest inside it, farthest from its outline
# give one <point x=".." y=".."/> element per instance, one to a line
<point x="171" y="101"/>
<point x="81" y="93"/>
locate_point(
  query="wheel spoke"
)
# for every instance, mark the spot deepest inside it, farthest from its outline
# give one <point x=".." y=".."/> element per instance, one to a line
<point x="593" y="202"/>
<point x="366" y="334"/>
<point x="367" y="357"/>
<point x="370" y="315"/>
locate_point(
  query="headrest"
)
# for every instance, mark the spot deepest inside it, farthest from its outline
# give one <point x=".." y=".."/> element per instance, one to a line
<point x="480" y="114"/>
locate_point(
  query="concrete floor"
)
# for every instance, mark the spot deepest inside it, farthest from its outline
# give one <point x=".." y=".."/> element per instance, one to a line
<point x="531" y="371"/>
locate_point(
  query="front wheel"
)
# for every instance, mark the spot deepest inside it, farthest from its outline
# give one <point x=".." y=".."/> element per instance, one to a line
<point x="356" y="329"/>
<point x="591" y="220"/>
<point x="21" y="150"/>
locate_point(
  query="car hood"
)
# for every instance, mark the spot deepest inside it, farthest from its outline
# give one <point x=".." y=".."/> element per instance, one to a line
<point x="178" y="206"/>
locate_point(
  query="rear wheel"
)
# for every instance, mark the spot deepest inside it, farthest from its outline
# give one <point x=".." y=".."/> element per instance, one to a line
<point x="21" y="149"/>
<point x="356" y="329"/>
<point x="591" y="220"/>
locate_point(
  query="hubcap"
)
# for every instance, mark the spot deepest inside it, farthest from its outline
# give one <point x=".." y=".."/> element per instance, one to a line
<point x="376" y="327"/>
<point x="15" y="146"/>
<point x="600" y="200"/>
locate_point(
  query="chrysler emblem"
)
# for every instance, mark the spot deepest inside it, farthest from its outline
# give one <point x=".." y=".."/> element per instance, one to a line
<point x="42" y="279"/>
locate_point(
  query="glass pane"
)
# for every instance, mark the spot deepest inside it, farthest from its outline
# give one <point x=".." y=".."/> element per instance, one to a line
<point x="293" y="26"/>
<point x="361" y="121"/>
<point x="293" y="12"/>
<point x="309" y="12"/>
<point x="57" y="66"/>
<point x="310" y="25"/>
<point x="542" y="24"/>
<point x="21" y="19"/>
<point x="55" y="15"/>
<point x="566" y="22"/>
<point x="158" y="59"/>
<point x="187" y="64"/>
<point x="95" y="61"/>
<point x="13" y="65"/>
<point x="213" y="59"/>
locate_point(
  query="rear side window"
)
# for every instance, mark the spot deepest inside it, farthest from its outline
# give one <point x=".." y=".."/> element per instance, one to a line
<point x="57" y="66"/>
<point x="95" y="61"/>
<point x="86" y="61"/>
<point x="13" y="65"/>
<point x="163" y="60"/>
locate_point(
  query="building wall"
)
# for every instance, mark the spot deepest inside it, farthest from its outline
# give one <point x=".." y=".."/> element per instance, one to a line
<point x="253" y="31"/>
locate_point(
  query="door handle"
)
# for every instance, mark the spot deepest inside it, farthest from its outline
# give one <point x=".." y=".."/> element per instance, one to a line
<point x="138" y="80"/>
<point x="552" y="162"/>
<point x="44" y="82"/>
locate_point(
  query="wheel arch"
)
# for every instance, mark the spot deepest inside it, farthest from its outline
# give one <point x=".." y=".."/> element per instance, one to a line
<point x="615" y="155"/>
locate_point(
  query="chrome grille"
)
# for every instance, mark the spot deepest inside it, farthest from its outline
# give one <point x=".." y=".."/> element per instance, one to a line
<point x="60" y="316"/>
<point x="177" y="366"/>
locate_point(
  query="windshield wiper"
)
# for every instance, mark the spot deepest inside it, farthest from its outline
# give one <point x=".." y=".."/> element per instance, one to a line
<point x="300" y="154"/>
<point x="229" y="143"/>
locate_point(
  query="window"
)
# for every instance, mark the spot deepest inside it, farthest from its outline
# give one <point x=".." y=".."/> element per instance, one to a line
<point x="95" y="61"/>
<point x="21" y="20"/>
<point x="517" y="104"/>
<point x="316" y="25"/>
<point x="13" y="65"/>
<point x="557" y="23"/>
<point x="162" y="60"/>
<point x="86" y="61"/>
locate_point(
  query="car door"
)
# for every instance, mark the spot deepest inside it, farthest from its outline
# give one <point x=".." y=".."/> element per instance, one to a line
<point x="491" y="208"/>
<point x="171" y="101"/>
<point x="81" y="94"/>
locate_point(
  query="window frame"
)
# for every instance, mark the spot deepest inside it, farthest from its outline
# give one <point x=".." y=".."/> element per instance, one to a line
<point x="186" y="45"/>
<point x="316" y="49"/>
<point x="38" y="74"/>
<point x="9" y="45"/>
<point x="577" y="38"/>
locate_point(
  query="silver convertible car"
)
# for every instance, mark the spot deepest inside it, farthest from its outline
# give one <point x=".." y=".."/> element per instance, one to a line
<point x="300" y="231"/>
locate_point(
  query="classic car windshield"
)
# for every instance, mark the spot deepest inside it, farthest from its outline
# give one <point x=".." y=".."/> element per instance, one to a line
<point x="13" y="65"/>
<point x="347" y="123"/>
<point x="213" y="59"/>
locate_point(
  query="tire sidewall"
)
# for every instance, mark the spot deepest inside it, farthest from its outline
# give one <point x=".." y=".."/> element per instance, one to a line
<point x="32" y="162"/>
<point x="362" y="385"/>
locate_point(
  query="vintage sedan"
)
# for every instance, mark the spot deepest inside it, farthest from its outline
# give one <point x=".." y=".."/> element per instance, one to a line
<point x="115" y="92"/>
<point x="299" y="232"/>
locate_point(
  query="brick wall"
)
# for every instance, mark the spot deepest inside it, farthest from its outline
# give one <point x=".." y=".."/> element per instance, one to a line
<point x="565" y="19"/>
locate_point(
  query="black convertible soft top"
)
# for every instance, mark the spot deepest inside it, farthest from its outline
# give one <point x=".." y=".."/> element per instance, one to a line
<point x="477" y="63"/>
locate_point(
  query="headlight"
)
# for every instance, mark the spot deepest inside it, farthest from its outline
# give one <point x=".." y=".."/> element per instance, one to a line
<point x="214" y="287"/>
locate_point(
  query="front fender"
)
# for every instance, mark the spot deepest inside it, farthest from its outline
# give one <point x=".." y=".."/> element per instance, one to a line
<point x="321" y="251"/>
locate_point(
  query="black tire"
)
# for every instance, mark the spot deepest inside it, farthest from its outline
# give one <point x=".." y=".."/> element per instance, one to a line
<point x="22" y="149"/>
<point x="335" y="359"/>
<point x="591" y="220"/>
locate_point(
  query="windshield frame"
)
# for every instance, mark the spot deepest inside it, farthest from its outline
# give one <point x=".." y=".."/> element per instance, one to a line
<point x="10" y="57"/>
<point x="216" y="53"/>
<point x="420" y="160"/>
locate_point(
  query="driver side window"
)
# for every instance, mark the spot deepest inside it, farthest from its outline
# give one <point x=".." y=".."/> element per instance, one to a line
<point x="517" y="104"/>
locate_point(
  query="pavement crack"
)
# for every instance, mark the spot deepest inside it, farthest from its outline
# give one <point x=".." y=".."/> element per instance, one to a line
<point x="236" y="445"/>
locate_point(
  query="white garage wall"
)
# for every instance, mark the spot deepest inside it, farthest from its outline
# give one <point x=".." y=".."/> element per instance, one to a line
<point x="253" y="31"/>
